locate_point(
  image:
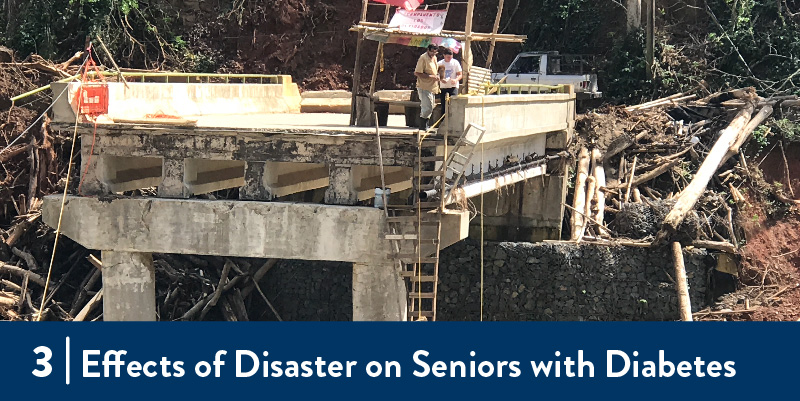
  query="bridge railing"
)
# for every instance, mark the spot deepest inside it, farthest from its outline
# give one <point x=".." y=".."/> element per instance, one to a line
<point x="174" y="77"/>
<point x="523" y="89"/>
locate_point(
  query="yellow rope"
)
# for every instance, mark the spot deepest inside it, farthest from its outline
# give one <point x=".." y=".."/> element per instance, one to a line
<point x="483" y="106"/>
<point x="419" y="229"/>
<point x="61" y="211"/>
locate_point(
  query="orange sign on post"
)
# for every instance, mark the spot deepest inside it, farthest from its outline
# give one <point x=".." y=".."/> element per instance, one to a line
<point x="92" y="96"/>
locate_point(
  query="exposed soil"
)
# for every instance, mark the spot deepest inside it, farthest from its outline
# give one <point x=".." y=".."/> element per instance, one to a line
<point x="310" y="40"/>
<point x="769" y="271"/>
<point x="782" y="166"/>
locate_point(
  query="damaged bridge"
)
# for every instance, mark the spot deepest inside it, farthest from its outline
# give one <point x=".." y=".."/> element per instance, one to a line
<point x="306" y="182"/>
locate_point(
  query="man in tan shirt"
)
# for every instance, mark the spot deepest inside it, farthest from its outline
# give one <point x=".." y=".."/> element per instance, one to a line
<point x="427" y="83"/>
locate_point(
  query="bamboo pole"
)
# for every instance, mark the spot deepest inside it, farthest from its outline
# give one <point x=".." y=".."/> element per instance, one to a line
<point x="579" y="197"/>
<point x="494" y="32"/>
<point x="357" y="66"/>
<point x="378" y="55"/>
<point x="467" y="58"/>
<point x="681" y="283"/>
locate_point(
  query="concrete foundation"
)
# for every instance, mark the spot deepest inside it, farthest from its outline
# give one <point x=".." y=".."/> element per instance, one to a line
<point x="379" y="293"/>
<point x="529" y="211"/>
<point x="129" y="286"/>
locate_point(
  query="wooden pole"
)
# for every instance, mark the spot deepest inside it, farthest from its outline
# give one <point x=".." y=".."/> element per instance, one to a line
<point x="599" y="173"/>
<point x="591" y="184"/>
<point x="579" y="197"/>
<point x="357" y="66"/>
<point x="650" y="43"/>
<point x="494" y="32"/>
<point x="467" y="58"/>
<point x="378" y="58"/>
<point x="681" y="283"/>
<point x="364" y="10"/>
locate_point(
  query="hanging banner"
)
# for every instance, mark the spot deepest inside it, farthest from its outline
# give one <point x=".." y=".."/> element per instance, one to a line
<point x="406" y="4"/>
<point x="420" y="21"/>
<point x="408" y="40"/>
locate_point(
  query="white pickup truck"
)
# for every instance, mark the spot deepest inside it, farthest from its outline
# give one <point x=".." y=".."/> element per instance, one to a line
<point x="551" y="68"/>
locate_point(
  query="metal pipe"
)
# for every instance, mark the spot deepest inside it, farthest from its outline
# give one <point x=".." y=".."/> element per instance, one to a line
<point x="492" y="184"/>
<point x="429" y="194"/>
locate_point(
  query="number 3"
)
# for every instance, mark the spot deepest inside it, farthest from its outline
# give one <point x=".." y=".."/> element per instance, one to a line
<point x="46" y="368"/>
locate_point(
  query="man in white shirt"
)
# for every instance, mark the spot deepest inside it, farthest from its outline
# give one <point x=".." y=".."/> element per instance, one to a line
<point x="449" y="76"/>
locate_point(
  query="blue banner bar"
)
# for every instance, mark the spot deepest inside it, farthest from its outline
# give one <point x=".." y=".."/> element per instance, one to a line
<point x="655" y="360"/>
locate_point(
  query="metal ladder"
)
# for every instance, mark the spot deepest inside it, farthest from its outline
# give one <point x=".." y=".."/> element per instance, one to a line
<point x="425" y="215"/>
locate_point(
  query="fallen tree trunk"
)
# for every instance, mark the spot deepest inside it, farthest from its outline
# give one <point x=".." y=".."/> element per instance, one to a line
<point x="652" y="102"/>
<point x="717" y="245"/>
<point x="720" y="97"/>
<point x="20" y="272"/>
<point x="747" y="132"/>
<point x="579" y="201"/>
<point x="648" y="175"/>
<point x="661" y="102"/>
<point x="689" y="196"/>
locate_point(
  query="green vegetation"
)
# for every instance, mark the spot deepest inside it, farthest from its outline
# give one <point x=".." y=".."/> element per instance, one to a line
<point x="139" y="33"/>
<point x="721" y="44"/>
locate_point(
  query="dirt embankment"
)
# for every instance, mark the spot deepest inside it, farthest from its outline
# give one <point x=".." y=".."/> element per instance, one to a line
<point x="310" y="40"/>
<point x="771" y="258"/>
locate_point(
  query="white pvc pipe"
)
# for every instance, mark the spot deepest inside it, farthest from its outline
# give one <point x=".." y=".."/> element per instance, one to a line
<point x="481" y="187"/>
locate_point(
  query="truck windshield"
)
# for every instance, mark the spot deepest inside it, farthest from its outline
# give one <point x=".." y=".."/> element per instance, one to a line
<point x="525" y="65"/>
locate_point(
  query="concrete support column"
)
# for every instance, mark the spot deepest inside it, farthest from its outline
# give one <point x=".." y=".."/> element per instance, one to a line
<point x="129" y="286"/>
<point x="379" y="293"/>
<point x="530" y="211"/>
<point x="342" y="188"/>
<point x="255" y="187"/>
<point x="172" y="186"/>
<point x="92" y="181"/>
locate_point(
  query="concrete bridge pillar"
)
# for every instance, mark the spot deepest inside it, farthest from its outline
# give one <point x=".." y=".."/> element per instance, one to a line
<point x="255" y="187"/>
<point x="529" y="211"/>
<point x="379" y="293"/>
<point x="342" y="190"/>
<point x="129" y="286"/>
<point x="173" y="184"/>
